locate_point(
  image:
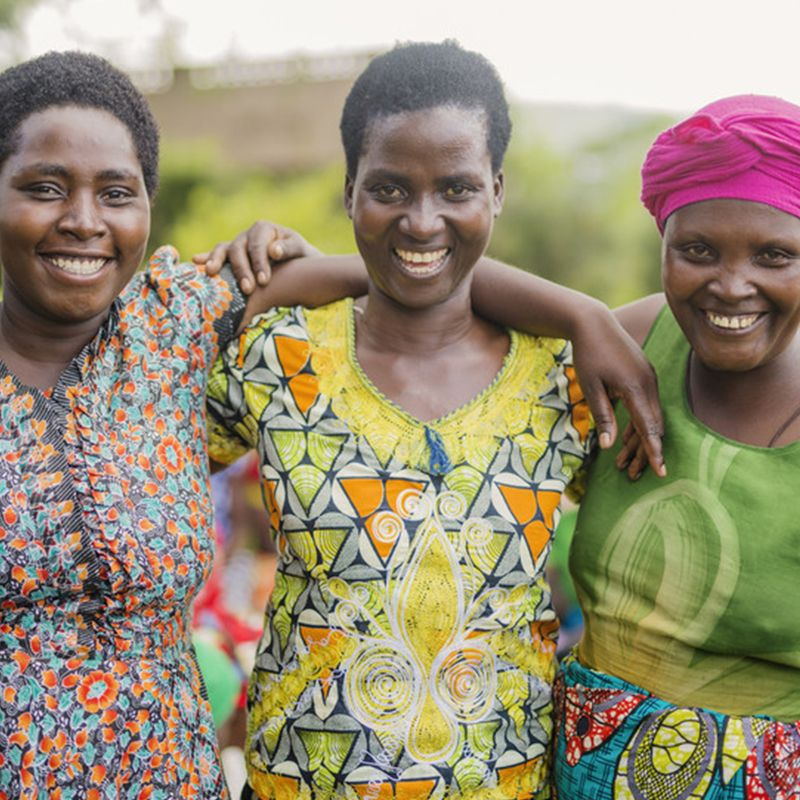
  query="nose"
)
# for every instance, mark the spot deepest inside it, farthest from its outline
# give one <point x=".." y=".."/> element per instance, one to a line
<point x="82" y="217"/>
<point x="734" y="280"/>
<point x="423" y="219"/>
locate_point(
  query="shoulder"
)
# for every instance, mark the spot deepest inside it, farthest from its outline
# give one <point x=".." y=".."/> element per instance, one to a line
<point x="638" y="317"/>
<point x="542" y="350"/>
<point x="278" y="338"/>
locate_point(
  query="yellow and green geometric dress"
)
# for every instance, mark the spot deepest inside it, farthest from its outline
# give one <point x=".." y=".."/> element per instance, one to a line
<point x="408" y="648"/>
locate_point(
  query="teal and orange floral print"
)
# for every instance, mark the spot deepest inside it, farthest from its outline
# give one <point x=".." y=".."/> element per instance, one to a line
<point x="105" y="538"/>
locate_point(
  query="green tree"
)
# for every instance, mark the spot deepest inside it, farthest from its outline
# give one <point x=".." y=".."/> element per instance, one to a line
<point x="217" y="210"/>
<point x="575" y="218"/>
<point x="10" y="11"/>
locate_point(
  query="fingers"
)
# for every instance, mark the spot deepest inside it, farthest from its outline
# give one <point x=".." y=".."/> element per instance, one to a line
<point x="603" y="413"/>
<point x="645" y="412"/>
<point x="632" y="457"/>
<point x="637" y="464"/>
<point x="212" y="260"/>
<point x="289" y="244"/>
<point x="237" y="256"/>
<point x="629" y="447"/>
<point x="259" y="238"/>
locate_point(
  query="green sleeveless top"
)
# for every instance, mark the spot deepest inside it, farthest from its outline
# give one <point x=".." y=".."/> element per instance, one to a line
<point x="690" y="584"/>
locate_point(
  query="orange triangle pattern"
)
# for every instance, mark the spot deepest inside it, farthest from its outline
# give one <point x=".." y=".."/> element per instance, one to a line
<point x="548" y="503"/>
<point x="365" y="494"/>
<point x="402" y="790"/>
<point x="292" y="354"/>
<point x="581" y="416"/>
<point x="280" y="787"/>
<point x="382" y="547"/>
<point x="315" y="637"/>
<point x="384" y="791"/>
<point x="410" y="790"/>
<point x="395" y="486"/>
<point x="305" y="390"/>
<point x="272" y="504"/>
<point x="521" y="501"/>
<point x="516" y="775"/>
<point x="537" y="535"/>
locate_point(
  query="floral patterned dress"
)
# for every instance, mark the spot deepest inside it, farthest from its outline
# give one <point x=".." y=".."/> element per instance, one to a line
<point x="409" y="645"/>
<point x="105" y="537"/>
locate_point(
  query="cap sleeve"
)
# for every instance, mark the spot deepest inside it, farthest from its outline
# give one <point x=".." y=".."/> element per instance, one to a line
<point x="208" y="310"/>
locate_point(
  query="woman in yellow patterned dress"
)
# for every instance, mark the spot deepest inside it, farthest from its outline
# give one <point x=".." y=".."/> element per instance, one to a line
<point x="413" y="458"/>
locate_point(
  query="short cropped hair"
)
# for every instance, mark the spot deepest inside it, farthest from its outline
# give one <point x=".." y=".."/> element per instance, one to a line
<point x="73" y="78"/>
<point x="421" y="75"/>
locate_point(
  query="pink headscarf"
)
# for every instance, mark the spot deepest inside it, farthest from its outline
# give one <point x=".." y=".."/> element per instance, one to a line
<point x="744" y="148"/>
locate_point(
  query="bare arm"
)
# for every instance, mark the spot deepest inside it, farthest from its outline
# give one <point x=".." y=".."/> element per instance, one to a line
<point x="609" y="361"/>
<point x="637" y="318"/>
<point x="275" y="266"/>
<point x="311" y="281"/>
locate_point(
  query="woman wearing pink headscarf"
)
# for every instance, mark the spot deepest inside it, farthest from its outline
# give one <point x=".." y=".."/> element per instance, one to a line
<point x="686" y="683"/>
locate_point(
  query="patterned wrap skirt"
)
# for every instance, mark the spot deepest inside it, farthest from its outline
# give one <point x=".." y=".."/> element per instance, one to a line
<point x="616" y="741"/>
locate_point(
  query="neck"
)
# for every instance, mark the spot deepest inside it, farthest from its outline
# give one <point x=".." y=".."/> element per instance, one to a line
<point x="36" y="350"/>
<point x="392" y="328"/>
<point x="750" y="406"/>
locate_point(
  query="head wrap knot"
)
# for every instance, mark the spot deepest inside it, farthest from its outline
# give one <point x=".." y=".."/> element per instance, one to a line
<point x="744" y="148"/>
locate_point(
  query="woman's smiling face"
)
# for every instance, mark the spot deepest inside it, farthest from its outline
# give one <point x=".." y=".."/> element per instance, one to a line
<point x="423" y="202"/>
<point x="731" y="274"/>
<point x="74" y="215"/>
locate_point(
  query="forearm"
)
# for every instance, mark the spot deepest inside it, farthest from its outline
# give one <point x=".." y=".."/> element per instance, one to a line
<point x="526" y="302"/>
<point x="312" y="281"/>
<point x="609" y="362"/>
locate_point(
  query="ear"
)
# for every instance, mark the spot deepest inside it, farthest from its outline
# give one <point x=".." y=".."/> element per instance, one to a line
<point x="499" y="192"/>
<point x="348" y="195"/>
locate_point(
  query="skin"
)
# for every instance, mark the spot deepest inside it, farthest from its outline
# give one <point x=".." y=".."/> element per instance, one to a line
<point x="424" y="189"/>
<point x="610" y="363"/>
<point x="731" y="276"/>
<point x="73" y="200"/>
<point x="71" y="196"/>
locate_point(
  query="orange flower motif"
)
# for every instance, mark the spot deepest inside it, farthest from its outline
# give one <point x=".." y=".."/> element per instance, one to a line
<point x="170" y="454"/>
<point x="98" y="690"/>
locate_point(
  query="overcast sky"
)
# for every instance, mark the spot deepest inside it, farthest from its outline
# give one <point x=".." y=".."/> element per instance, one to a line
<point x="673" y="55"/>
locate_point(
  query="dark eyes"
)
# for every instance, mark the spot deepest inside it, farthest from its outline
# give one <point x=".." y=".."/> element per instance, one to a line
<point x="113" y="196"/>
<point x="117" y="195"/>
<point x="45" y="191"/>
<point x="697" y="251"/>
<point x="700" y="253"/>
<point x="392" y="192"/>
<point x="775" y="257"/>
<point x="388" y="191"/>
<point x="457" y="191"/>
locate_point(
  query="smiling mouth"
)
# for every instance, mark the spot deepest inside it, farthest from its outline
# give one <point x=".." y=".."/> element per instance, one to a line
<point x="734" y="322"/>
<point x="422" y="263"/>
<point x="77" y="266"/>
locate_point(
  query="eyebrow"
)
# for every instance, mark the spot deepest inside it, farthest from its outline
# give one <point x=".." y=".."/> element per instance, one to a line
<point x="59" y="171"/>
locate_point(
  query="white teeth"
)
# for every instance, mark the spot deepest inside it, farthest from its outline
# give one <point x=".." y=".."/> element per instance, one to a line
<point x="78" y="266"/>
<point x="736" y="322"/>
<point x="423" y="262"/>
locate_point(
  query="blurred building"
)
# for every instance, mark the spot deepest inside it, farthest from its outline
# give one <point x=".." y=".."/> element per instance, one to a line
<point x="278" y="115"/>
<point x="283" y="114"/>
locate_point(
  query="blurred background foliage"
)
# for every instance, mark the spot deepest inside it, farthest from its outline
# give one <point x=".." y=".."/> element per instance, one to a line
<point x="571" y="211"/>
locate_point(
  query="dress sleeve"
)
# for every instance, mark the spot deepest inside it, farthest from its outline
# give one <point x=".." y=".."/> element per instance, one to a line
<point x="578" y="446"/>
<point x="240" y="386"/>
<point x="207" y="310"/>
